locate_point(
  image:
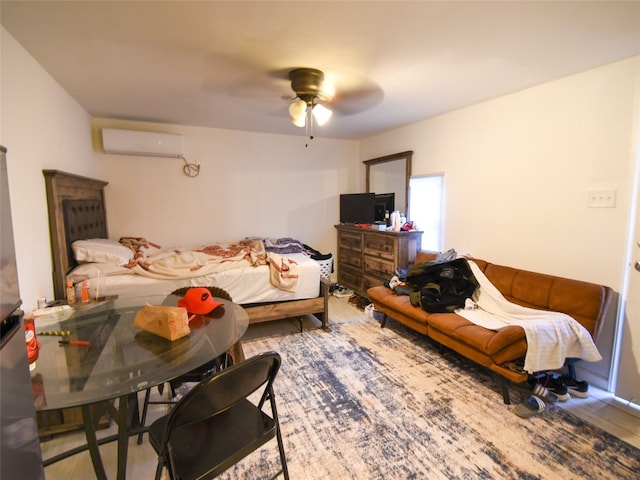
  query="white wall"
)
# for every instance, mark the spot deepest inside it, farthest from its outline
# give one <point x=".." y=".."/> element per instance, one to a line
<point x="42" y="128"/>
<point x="518" y="169"/>
<point x="250" y="184"/>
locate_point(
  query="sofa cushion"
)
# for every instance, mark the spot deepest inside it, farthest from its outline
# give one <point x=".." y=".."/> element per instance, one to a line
<point x="489" y="342"/>
<point x="424" y="256"/>
<point x="397" y="303"/>
<point x="521" y="287"/>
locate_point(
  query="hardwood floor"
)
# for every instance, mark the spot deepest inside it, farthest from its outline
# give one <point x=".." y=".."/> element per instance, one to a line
<point x="603" y="410"/>
<point x="600" y="409"/>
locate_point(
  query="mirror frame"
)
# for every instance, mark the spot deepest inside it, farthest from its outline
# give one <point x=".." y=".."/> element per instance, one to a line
<point x="393" y="158"/>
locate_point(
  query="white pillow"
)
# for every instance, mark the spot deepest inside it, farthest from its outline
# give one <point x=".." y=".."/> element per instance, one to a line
<point x="100" y="250"/>
<point x="92" y="270"/>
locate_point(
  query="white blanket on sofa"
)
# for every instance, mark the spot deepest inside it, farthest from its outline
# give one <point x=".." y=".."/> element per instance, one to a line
<point x="551" y="337"/>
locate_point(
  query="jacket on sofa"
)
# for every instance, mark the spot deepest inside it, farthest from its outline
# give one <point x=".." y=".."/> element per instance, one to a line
<point x="441" y="287"/>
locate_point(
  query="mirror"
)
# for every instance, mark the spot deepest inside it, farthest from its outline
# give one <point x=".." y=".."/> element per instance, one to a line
<point x="390" y="174"/>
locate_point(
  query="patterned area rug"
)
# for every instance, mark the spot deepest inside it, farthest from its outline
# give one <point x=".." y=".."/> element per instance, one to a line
<point x="369" y="403"/>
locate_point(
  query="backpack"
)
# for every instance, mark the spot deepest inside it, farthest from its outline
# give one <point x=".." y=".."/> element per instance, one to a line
<point x="441" y="287"/>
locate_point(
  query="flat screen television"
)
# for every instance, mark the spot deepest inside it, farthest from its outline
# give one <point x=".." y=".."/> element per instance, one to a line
<point x="357" y="207"/>
<point x="385" y="202"/>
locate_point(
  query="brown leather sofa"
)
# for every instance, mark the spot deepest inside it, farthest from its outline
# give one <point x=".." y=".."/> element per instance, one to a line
<point x="499" y="350"/>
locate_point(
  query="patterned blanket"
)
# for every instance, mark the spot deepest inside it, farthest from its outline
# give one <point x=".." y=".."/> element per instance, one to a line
<point x="152" y="260"/>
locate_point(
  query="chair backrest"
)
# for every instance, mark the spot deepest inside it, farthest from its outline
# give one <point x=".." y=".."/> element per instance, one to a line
<point x="222" y="390"/>
<point x="215" y="291"/>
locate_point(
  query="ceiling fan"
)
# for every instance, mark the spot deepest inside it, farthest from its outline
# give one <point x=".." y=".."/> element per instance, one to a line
<point x="313" y="93"/>
<point x="314" y="96"/>
<point x="308" y="85"/>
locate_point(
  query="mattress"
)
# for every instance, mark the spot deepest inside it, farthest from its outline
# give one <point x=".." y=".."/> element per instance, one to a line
<point x="245" y="285"/>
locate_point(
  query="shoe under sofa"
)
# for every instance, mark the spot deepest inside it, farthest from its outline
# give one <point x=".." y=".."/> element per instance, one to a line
<point x="499" y="350"/>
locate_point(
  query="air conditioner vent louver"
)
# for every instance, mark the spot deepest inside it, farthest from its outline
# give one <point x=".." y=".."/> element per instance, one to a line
<point x="150" y="144"/>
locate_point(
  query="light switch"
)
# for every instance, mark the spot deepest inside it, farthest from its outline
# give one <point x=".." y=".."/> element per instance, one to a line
<point x="605" y="198"/>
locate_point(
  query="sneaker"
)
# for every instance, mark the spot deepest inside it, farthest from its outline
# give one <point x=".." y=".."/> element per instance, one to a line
<point x="575" y="387"/>
<point x="553" y="385"/>
<point x="342" y="292"/>
<point x="558" y="388"/>
<point x="544" y="393"/>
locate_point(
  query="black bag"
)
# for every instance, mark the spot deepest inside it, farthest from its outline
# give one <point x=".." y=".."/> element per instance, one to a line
<point x="441" y="287"/>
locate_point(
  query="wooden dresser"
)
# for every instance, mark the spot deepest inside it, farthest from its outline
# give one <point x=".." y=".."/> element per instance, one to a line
<point x="368" y="257"/>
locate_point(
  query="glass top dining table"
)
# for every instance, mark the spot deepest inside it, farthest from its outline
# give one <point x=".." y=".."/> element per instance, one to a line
<point x="120" y="359"/>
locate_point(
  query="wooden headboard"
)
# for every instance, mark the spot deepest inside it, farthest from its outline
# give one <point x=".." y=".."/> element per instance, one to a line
<point x="76" y="211"/>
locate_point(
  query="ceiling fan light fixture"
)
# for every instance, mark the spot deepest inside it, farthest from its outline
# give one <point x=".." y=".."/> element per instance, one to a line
<point x="298" y="112"/>
<point x="306" y="109"/>
<point x="321" y="113"/>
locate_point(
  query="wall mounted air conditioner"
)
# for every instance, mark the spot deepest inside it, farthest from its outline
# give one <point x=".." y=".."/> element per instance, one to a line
<point x="150" y="144"/>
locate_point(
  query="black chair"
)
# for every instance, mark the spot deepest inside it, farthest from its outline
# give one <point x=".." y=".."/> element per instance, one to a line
<point x="215" y="425"/>
<point x="231" y="356"/>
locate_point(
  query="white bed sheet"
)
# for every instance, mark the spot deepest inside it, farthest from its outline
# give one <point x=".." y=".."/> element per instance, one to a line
<point x="245" y="285"/>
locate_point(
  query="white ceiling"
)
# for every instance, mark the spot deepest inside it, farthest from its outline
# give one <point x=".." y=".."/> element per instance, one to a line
<point x="220" y="63"/>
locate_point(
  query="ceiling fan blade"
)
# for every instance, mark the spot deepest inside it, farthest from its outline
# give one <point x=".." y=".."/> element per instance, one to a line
<point x="356" y="101"/>
<point x="262" y="93"/>
<point x="270" y="92"/>
<point x="351" y="93"/>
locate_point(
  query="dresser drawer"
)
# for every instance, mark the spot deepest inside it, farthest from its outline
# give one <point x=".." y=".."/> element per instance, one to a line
<point x="380" y="246"/>
<point x="350" y="279"/>
<point x="351" y="259"/>
<point x="351" y="241"/>
<point x="379" y="266"/>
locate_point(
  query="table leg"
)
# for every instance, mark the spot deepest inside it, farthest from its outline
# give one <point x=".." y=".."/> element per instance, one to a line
<point x="92" y="442"/>
<point x="123" y="436"/>
<point x="125" y="422"/>
<point x="128" y="421"/>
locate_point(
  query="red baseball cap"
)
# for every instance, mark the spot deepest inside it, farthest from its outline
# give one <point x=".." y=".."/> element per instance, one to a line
<point x="199" y="301"/>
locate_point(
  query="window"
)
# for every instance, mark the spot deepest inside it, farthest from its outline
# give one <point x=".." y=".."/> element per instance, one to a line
<point x="426" y="201"/>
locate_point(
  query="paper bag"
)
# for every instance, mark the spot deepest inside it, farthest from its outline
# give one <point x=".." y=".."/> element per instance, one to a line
<point x="171" y="323"/>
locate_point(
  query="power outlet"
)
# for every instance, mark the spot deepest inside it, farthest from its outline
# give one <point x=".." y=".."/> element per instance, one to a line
<point x="605" y="198"/>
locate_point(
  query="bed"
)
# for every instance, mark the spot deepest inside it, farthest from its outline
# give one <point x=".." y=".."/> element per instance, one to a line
<point x="76" y="208"/>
